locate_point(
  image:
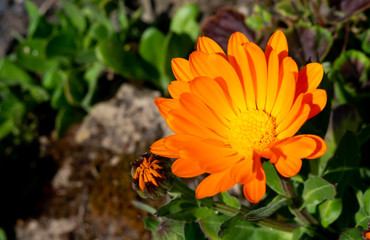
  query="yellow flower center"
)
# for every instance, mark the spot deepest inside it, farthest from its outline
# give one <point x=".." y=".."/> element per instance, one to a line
<point x="251" y="130"/>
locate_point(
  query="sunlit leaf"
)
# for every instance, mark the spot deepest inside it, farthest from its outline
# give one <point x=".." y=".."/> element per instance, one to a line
<point x="330" y="211"/>
<point x="151" y="47"/>
<point x="230" y="200"/>
<point x="212" y="223"/>
<point x="316" y="190"/>
<point x="185" y="21"/>
<point x="272" y="179"/>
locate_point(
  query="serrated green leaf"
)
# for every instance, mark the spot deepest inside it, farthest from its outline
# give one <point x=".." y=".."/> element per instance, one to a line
<point x="184" y="21"/>
<point x="272" y="179"/>
<point x="184" y="210"/>
<point x="330" y="211"/>
<point x="212" y="223"/>
<point x="344" y="163"/>
<point x="236" y="228"/>
<point x="316" y="190"/>
<point x="266" y="211"/>
<point x="192" y="231"/>
<point x="230" y="200"/>
<point x="351" y="234"/>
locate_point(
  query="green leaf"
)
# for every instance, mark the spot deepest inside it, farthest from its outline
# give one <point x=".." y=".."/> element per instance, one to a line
<point x="330" y="211"/>
<point x="303" y="233"/>
<point x="192" y="231"/>
<point x="344" y="163"/>
<point x="362" y="217"/>
<point x="61" y="45"/>
<point x="122" y="17"/>
<point x="351" y="234"/>
<point x="144" y="207"/>
<point x="75" y="15"/>
<point x="316" y="190"/>
<point x="65" y="118"/>
<point x="151" y="224"/>
<point x="91" y="76"/>
<point x="185" y="21"/>
<point x="151" y="47"/>
<point x="58" y="99"/>
<point x="263" y="212"/>
<point x="259" y="19"/>
<point x="287" y="9"/>
<point x="364" y="135"/>
<point x="212" y="223"/>
<point x="2" y="234"/>
<point x="113" y="54"/>
<point x="38" y="26"/>
<point x="6" y="128"/>
<point x="230" y="200"/>
<point x="52" y="78"/>
<point x="11" y="74"/>
<point x="236" y="228"/>
<point x="74" y="87"/>
<point x="184" y="210"/>
<point x="272" y="179"/>
<point x="169" y="230"/>
<point x="365" y="39"/>
<point x="31" y="54"/>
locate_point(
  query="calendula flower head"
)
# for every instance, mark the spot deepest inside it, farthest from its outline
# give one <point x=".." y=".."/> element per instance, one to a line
<point x="150" y="175"/>
<point x="230" y="111"/>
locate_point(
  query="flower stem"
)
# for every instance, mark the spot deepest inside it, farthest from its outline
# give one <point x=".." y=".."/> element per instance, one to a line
<point x="228" y="210"/>
<point x="303" y="215"/>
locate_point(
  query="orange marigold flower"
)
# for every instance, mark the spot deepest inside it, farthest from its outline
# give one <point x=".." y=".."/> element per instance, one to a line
<point x="229" y="111"/>
<point x="149" y="174"/>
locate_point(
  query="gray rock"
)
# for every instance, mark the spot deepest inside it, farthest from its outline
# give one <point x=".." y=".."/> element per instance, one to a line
<point x="127" y="124"/>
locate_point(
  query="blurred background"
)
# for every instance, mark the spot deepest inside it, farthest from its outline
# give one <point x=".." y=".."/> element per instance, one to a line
<point x="77" y="83"/>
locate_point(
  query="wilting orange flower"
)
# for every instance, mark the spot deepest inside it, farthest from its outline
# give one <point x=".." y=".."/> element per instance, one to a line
<point x="229" y="111"/>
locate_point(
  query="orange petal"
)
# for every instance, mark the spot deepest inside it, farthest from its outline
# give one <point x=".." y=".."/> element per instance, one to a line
<point x="272" y="80"/>
<point x="301" y="146"/>
<point x="293" y="113"/>
<point x="235" y="39"/>
<point x="212" y="157"/>
<point x="173" y="143"/>
<point x="296" y="124"/>
<point x="185" y="124"/>
<point x="279" y="43"/>
<point x="316" y="100"/>
<point x="258" y="68"/>
<point x="309" y="78"/>
<point x="213" y="184"/>
<point x="208" y="45"/>
<point x="215" y="66"/>
<point x="210" y="92"/>
<point x="165" y="105"/>
<point x="176" y="88"/>
<point x="239" y="60"/>
<point x="159" y="149"/>
<point x="193" y="106"/>
<point x="181" y="69"/>
<point x="289" y="166"/>
<point x="186" y="168"/>
<point x="255" y="189"/>
<point x="285" y="97"/>
<point x="241" y="172"/>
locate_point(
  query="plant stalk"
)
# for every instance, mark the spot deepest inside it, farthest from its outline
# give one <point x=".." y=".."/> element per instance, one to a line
<point x="303" y="215"/>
